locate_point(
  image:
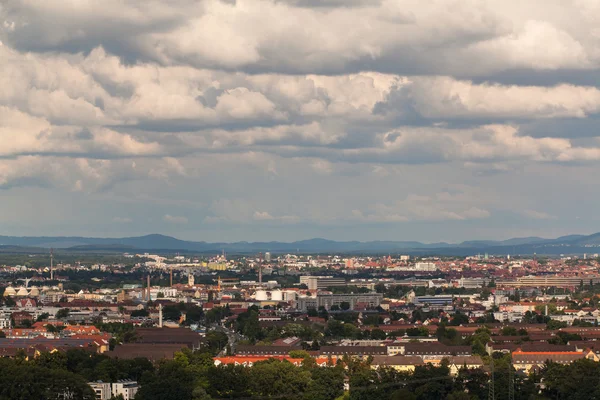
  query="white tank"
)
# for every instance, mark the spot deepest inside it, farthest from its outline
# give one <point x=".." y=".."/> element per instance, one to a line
<point x="261" y="295"/>
<point x="277" y="295"/>
<point x="289" y="295"/>
<point x="22" y="291"/>
<point x="34" y="291"/>
<point x="10" y="291"/>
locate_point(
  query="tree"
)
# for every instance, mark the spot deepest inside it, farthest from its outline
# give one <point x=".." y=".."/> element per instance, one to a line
<point x="42" y="317"/>
<point x="171" y="381"/>
<point x="344" y="305"/>
<point x="140" y="313"/>
<point x="171" y="313"/>
<point x="555" y="324"/>
<point x="459" y="319"/>
<point x="62" y="313"/>
<point x="194" y="314"/>
<point x="378" y="334"/>
<point x="510" y="331"/>
<point x="216" y="341"/>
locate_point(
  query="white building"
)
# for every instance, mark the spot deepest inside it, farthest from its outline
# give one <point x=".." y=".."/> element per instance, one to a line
<point x="125" y="388"/>
<point x="5" y="321"/>
<point x="102" y="389"/>
<point x="425" y="266"/>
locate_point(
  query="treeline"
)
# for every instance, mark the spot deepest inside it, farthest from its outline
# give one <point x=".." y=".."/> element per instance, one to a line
<point x="193" y="376"/>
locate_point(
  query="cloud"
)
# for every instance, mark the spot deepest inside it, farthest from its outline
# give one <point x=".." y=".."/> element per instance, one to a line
<point x="441" y="207"/>
<point x="273" y="112"/>
<point x="175" y="219"/>
<point x="537" y="214"/>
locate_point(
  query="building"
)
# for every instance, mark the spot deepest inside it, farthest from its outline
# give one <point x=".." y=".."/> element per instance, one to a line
<point x="268" y="257"/>
<point x="125" y="388"/>
<point x="21" y="316"/>
<point x="551" y="281"/>
<point x="103" y="390"/>
<point x="433" y="300"/>
<point x="525" y="361"/>
<point x="5" y="322"/>
<point x="399" y="363"/>
<point x="322" y="282"/>
<point x="425" y="267"/>
<point x="330" y="300"/>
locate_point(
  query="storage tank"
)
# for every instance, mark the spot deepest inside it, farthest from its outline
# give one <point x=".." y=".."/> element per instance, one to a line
<point x="34" y="292"/>
<point x="22" y="291"/>
<point x="261" y="295"/>
<point x="276" y="295"/>
<point x="10" y="291"/>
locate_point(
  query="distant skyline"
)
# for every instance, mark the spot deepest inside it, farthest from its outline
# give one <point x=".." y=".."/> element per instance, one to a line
<point x="260" y="120"/>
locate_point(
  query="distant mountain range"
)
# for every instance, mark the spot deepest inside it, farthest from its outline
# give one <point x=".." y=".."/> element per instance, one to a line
<point x="572" y="244"/>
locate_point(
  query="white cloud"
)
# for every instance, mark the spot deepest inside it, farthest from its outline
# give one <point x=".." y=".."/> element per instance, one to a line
<point x="533" y="214"/>
<point x="441" y="207"/>
<point x="175" y="219"/>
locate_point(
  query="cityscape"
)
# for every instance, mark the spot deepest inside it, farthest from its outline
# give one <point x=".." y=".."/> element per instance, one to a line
<point x="299" y="199"/>
<point x="338" y="325"/>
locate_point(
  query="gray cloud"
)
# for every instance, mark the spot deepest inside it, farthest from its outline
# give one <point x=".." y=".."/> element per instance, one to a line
<point x="293" y="118"/>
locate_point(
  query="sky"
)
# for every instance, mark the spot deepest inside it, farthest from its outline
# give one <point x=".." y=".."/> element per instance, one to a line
<point x="228" y="120"/>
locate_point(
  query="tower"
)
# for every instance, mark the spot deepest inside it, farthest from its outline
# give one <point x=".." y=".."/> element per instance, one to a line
<point x="148" y="293"/>
<point x="191" y="279"/>
<point x="171" y="276"/>
<point x="51" y="264"/>
<point x="260" y="275"/>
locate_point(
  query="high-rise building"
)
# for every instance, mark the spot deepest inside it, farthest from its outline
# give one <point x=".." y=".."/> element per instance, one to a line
<point x="191" y="279"/>
<point x="268" y="257"/>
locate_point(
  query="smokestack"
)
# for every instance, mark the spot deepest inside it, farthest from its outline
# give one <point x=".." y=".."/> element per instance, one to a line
<point x="260" y="275"/>
<point x="160" y="316"/>
<point x="171" y="276"/>
<point x="148" y="293"/>
<point x="51" y="264"/>
<point x="546" y="310"/>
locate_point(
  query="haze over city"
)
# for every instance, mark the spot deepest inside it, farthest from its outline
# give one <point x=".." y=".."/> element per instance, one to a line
<point x="287" y="120"/>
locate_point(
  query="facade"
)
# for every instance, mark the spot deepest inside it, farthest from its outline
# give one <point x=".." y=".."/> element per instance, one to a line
<point x="322" y="282"/>
<point x="525" y="361"/>
<point x="399" y="363"/>
<point x="329" y="300"/>
<point x="551" y="281"/>
<point x="5" y="322"/>
<point x="102" y="390"/>
<point x="125" y="388"/>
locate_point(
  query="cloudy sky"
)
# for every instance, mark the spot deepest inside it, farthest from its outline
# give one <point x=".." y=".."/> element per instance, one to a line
<point x="290" y="119"/>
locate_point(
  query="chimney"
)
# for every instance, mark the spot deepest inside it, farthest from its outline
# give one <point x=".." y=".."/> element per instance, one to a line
<point x="148" y="293"/>
<point x="160" y="316"/>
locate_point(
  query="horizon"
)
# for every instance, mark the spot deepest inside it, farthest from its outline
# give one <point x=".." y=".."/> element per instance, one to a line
<point x="190" y="119"/>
